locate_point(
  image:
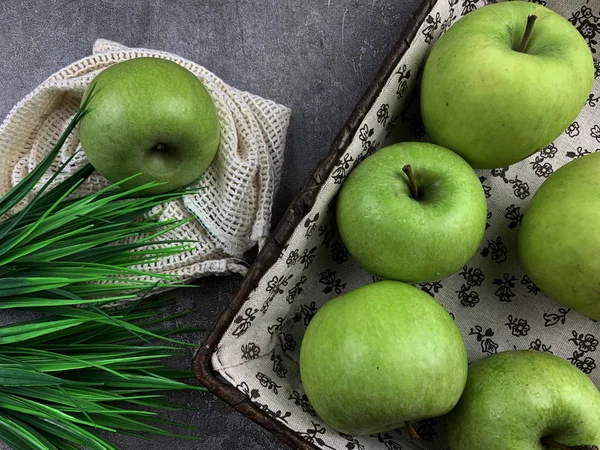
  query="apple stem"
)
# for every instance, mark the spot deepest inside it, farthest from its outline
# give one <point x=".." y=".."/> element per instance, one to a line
<point x="527" y="35"/>
<point x="414" y="191"/>
<point x="160" y="147"/>
<point x="552" y="443"/>
<point x="411" y="428"/>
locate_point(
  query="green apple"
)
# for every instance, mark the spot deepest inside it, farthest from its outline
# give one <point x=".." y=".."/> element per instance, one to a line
<point x="494" y="103"/>
<point x="559" y="239"/>
<point x="381" y="355"/>
<point x="525" y="400"/>
<point x="150" y="116"/>
<point x="398" y="234"/>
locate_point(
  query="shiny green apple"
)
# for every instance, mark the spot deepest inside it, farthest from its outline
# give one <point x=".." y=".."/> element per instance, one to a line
<point x="153" y="116"/>
<point x="559" y="239"/>
<point x="398" y="235"/>
<point x="381" y="355"/>
<point x="525" y="400"/>
<point x="494" y="104"/>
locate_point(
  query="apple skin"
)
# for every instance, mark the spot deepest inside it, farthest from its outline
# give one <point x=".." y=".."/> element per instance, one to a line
<point x="140" y="103"/>
<point x="396" y="237"/>
<point x="493" y="105"/>
<point x="559" y="238"/>
<point x="381" y="355"/>
<point x="515" y="398"/>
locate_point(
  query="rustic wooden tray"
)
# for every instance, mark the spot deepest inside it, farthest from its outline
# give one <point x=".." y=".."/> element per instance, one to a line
<point x="533" y="322"/>
<point x="272" y="249"/>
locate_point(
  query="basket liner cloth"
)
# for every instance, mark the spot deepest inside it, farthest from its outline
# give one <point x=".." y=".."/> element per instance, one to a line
<point x="233" y="208"/>
<point x="494" y="303"/>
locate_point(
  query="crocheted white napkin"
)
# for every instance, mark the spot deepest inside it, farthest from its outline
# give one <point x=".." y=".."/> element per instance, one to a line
<point x="233" y="211"/>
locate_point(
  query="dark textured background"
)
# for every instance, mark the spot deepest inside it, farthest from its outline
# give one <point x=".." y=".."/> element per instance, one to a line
<point x="316" y="57"/>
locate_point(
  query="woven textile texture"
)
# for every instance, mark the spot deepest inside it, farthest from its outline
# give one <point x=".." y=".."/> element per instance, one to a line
<point x="494" y="303"/>
<point x="232" y="210"/>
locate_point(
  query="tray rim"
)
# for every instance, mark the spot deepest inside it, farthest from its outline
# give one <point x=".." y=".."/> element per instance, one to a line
<point x="298" y="208"/>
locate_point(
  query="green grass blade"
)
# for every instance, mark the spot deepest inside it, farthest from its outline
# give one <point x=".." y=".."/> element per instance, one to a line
<point x="22" y="377"/>
<point x="58" y="191"/>
<point x="67" y="431"/>
<point x="23" y="285"/>
<point x="61" y="444"/>
<point x="10" y="256"/>
<point x="46" y="302"/>
<point x="19" y="435"/>
<point x="24" y="331"/>
<point x="47" y="361"/>
<point x="21" y="405"/>
<point x="24" y="187"/>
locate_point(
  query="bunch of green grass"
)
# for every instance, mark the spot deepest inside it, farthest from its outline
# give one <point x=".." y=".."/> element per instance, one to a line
<point x="79" y="366"/>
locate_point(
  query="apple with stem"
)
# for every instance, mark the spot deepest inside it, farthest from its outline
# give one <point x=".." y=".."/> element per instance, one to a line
<point x="376" y="358"/>
<point x="525" y="400"/>
<point x="504" y="81"/>
<point x="153" y="117"/>
<point x="412" y="212"/>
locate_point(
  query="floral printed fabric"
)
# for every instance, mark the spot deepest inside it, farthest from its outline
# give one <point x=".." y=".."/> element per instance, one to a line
<point x="494" y="303"/>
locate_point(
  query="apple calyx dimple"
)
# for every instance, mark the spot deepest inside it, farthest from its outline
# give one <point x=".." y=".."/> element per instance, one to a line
<point x="548" y="442"/>
<point x="414" y="191"/>
<point x="414" y="435"/>
<point x="528" y="29"/>
<point x="160" y="147"/>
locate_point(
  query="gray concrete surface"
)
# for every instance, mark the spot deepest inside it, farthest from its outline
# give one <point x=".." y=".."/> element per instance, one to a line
<point x="315" y="56"/>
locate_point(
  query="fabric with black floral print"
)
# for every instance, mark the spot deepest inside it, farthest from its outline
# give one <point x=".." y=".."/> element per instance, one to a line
<point x="494" y="303"/>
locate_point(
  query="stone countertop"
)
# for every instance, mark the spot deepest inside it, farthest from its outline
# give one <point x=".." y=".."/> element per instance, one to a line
<point x="316" y="57"/>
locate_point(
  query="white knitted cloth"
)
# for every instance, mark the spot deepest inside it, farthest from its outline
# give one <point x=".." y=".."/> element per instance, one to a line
<point x="233" y="211"/>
